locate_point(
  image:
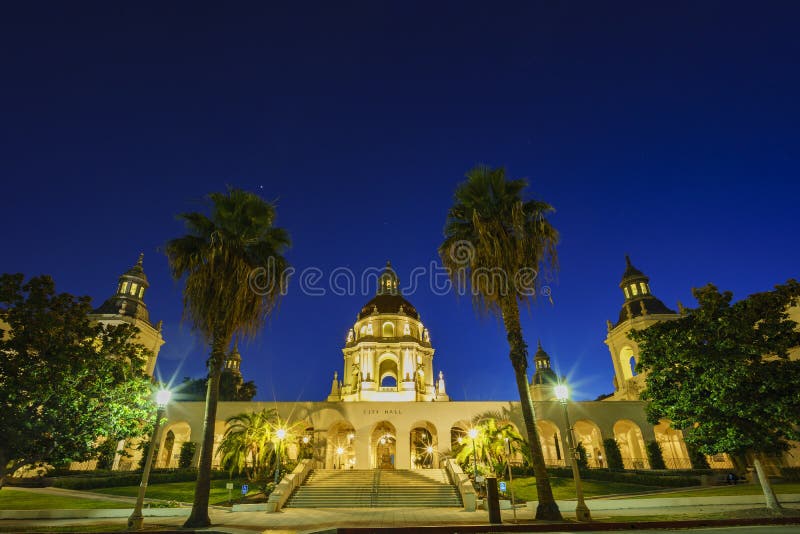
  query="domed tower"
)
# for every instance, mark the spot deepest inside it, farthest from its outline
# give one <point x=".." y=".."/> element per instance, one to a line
<point x="233" y="362"/>
<point x="127" y="305"/>
<point x="388" y="354"/>
<point x="544" y="378"/>
<point x="640" y="309"/>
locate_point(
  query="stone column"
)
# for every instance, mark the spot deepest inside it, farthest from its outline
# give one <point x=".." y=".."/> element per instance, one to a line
<point x="402" y="459"/>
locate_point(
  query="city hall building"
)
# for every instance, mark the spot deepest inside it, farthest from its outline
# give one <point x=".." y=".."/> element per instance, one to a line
<point x="389" y="396"/>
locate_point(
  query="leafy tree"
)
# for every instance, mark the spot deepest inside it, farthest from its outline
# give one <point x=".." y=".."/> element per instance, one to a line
<point x="232" y="264"/>
<point x="655" y="456"/>
<point x="497" y="242"/>
<point x="187" y="454"/>
<point x="613" y="454"/>
<point x="66" y="385"/>
<point x="723" y="374"/>
<point x="232" y="388"/>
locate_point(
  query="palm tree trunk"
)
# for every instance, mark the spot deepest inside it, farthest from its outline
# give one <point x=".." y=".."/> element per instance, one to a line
<point x="547" y="508"/>
<point x="199" y="517"/>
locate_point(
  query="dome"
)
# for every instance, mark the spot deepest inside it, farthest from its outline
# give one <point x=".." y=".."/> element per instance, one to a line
<point x="388" y="298"/>
<point x="389" y="304"/>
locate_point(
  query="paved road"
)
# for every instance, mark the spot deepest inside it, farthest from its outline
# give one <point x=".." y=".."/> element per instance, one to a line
<point x="763" y="529"/>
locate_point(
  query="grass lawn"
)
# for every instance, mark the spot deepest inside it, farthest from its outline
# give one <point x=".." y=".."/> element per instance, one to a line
<point x="564" y="488"/>
<point x="13" y="499"/>
<point x="715" y="491"/>
<point x="178" y="491"/>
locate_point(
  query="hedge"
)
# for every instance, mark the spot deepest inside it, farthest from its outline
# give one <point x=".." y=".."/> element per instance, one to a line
<point x="791" y="474"/>
<point x="113" y="479"/>
<point x="609" y="475"/>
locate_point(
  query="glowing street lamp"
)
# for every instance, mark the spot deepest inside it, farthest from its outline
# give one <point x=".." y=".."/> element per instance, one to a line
<point x="581" y="510"/>
<point x="136" y="520"/>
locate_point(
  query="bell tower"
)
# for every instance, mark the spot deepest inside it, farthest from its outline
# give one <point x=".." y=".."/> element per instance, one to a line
<point x="388" y="354"/>
<point x="127" y="305"/>
<point x="544" y="378"/>
<point x="640" y="309"/>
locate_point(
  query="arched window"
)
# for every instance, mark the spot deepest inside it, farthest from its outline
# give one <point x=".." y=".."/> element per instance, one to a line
<point x="634" y="290"/>
<point x="643" y="286"/>
<point x="134" y="287"/>
<point x="388" y="329"/>
<point x="124" y="287"/>
<point x="627" y="295"/>
<point x="141" y="292"/>
<point x="632" y="361"/>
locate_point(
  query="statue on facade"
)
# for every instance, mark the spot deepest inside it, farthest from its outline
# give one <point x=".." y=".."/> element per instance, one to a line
<point x="356" y="374"/>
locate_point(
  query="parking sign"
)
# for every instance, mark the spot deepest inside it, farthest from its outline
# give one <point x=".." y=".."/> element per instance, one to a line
<point x="244" y="489"/>
<point x="502" y="486"/>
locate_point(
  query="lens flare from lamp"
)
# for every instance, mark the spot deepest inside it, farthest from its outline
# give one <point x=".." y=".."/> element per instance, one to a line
<point x="562" y="392"/>
<point x="162" y="397"/>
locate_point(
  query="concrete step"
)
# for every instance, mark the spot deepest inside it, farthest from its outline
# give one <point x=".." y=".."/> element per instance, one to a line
<point x="333" y="488"/>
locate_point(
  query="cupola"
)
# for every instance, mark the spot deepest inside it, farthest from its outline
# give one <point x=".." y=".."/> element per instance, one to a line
<point x="128" y="299"/>
<point x="639" y="300"/>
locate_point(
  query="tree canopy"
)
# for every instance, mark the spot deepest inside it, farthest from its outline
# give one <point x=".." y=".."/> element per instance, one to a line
<point x="232" y="387"/>
<point x="722" y="372"/>
<point x="65" y="383"/>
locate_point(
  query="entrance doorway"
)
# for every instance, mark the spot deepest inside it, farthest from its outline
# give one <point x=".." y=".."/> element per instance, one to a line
<point x="384" y="446"/>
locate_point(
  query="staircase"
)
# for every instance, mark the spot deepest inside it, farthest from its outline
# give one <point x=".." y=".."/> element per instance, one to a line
<point x="332" y="488"/>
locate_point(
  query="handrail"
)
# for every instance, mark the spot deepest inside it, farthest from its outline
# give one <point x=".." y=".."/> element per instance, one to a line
<point x="288" y="484"/>
<point x="463" y="483"/>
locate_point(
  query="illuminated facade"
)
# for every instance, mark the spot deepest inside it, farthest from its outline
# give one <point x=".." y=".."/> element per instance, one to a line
<point x="388" y="408"/>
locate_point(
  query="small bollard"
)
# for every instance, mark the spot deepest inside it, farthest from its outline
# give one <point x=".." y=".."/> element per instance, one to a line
<point x="493" y="501"/>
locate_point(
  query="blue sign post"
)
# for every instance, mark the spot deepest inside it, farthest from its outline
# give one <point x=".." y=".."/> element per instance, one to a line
<point x="503" y="486"/>
<point x="244" y="489"/>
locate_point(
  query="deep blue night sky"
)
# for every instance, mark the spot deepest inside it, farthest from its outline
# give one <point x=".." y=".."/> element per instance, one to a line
<point x="665" y="130"/>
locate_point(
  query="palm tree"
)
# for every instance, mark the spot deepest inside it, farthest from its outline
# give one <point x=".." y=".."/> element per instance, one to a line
<point x="232" y="263"/>
<point x="248" y="446"/>
<point x="490" y="443"/>
<point x="497" y="243"/>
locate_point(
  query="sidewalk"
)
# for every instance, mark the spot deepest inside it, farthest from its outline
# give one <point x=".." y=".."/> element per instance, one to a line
<point x="305" y="520"/>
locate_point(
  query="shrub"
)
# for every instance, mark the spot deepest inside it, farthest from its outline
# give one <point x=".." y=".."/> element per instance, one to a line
<point x="613" y="455"/>
<point x="655" y="456"/>
<point x="106" y="453"/>
<point x="583" y="461"/>
<point x="791" y="473"/>
<point x="144" y="446"/>
<point x="186" y="454"/>
<point x="697" y="458"/>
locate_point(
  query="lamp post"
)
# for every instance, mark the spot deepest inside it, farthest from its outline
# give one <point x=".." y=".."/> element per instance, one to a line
<point x="136" y="520"/>
<point x="473" y="433"/>
<point x="280" y="434"/>
<point x="581" y="510"/>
